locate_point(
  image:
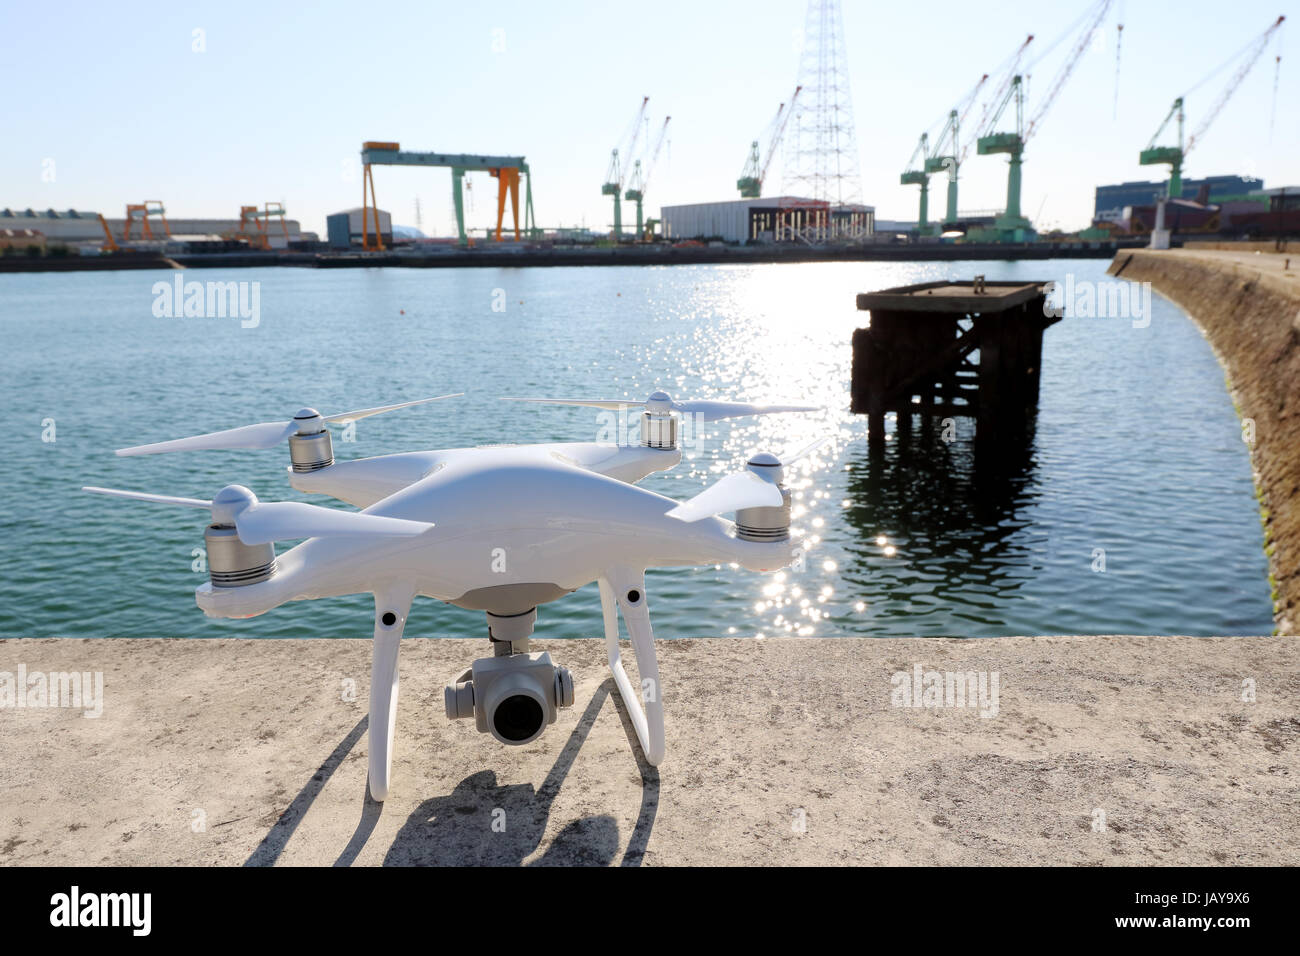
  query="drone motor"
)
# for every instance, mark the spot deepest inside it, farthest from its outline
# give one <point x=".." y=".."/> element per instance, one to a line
<point x="766" y="523"/>
<point x="233" y="564"/>
<point x="310" y="447"/>
<point x="658" y="423"/>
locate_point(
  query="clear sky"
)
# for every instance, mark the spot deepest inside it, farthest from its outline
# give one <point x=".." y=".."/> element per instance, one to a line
<point x="113" y="103"/>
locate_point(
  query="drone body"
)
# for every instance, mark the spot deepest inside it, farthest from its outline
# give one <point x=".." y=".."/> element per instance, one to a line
<point x="501" y="529"/>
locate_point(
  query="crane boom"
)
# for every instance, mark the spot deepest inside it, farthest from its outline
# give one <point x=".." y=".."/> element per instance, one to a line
<point x="754" y="174"/>
<point x="999" y="95"/>
<point x="1173" y="156"/>
<point x="640" y="180"/>
<point x="1254" y="51"/>
<point x="1093" y="21"/>
<point x="777" y="134"/>
<point x="613" y="184"/>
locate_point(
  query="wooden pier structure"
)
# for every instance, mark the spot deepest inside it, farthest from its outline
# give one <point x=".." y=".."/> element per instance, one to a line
<point x="949" y="349"/>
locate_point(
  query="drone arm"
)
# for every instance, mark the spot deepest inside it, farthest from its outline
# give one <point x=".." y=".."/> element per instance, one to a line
<point x="623" y="589"/>
<point x="395" y="602"/>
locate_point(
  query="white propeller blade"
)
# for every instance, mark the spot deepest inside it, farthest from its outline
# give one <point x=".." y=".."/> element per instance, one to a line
<point x="789" y="459"/>
<point x="261" y="436"/>
<point x="260" y="522"/>
<point x="744" y="489"/>
<point x="141" y="496"/>
<point x="711" y="411"/>
<point x="379" y="410"/>
<point x="265" y="435"/>
<point x="612" y="406"/>
<point x="287" y="520"/>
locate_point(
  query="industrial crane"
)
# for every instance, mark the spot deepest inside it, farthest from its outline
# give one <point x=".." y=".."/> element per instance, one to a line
<point x="1173" y="156"/>
<point x="754" y="174"/>
<point x="1011" y="225"/>
<point x="1009" y="87"/>
<point x="640" y="179"/>
<point x="947" y="155"/>
<point x="613" y="185"/>
<point x="915" y="175"/>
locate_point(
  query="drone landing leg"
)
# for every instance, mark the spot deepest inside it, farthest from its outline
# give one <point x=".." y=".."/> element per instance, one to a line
<point x="391" y="608"/>
<point x="623" y="589"/>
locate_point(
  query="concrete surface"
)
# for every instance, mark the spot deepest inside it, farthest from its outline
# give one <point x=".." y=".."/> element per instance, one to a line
<point x="779" y="752"/>
<point x="1248" y="305"/>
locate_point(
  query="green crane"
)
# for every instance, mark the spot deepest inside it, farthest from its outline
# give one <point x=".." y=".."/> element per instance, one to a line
<point x="640" y="179"/>
<point x="1173" y="156"/>
<point x="752" y="176"/>
<point x="613" y="185"/>
<point x="915" y="175"/>
<point x="987" y="142"/>
<point x="1012" y="226"/>
<point x="947" y="155"/>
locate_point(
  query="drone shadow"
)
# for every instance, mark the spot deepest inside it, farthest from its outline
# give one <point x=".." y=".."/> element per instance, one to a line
<point x="482" y="822"/>
<point x="486" y="824"/>
<point x="273" y="844"/>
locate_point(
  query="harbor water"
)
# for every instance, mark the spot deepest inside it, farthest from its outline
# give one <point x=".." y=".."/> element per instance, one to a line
<point x="1131" y="510"/>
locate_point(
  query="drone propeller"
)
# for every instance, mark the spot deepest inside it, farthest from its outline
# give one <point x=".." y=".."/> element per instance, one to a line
<point x="308" y="421"/>
<point x="758" y="486"/>
<point x="789" y="458"/>
<point x="743" y="489"/>
<point x="260" y="522"/>
<point x="660" y="402"/>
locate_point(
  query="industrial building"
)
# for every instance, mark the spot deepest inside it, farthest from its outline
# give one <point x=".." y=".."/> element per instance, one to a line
<point x="21" y="239"/>
<point x="70" y="226"/>
<point x="344" y="229"/>
<point x="767" y="219"/>
<point x="1111" y="200"/>
<point x="83" y="228"/>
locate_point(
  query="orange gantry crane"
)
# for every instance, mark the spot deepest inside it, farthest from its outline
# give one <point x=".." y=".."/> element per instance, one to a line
<point x="260" y="219"/>
<point x="146" y="211"/>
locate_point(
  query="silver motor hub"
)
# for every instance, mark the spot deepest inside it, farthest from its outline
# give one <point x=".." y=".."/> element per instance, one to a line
<point x="233" y="564"/>
<point x="310" y="447"/>
<point x="658" y="423"/>
<point x="768" y="523"/>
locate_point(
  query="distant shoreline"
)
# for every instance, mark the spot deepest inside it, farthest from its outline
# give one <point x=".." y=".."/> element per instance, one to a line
<point x="519" y="257"/>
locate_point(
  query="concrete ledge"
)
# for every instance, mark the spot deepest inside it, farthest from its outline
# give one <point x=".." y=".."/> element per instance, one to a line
<point x="257" y="738"/>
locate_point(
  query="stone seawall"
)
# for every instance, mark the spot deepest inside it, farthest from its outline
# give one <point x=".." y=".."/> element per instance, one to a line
<point x="1248" y="304"/>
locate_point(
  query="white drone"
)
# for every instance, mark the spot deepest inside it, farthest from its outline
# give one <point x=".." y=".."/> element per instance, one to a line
<point x="516" y="526"/>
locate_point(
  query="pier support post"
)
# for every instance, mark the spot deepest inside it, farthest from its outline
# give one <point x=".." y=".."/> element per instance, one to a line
<point x="917" y="356"/>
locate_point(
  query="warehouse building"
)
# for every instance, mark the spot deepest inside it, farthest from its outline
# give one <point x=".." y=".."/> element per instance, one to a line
<point x="69" y="226"/>
<point x="1110" y="200"/>
<point x="79" y="227"/>
<point x="766" y="219"/>
<point x="343" y="229"/>
<point x="21" y="239"/>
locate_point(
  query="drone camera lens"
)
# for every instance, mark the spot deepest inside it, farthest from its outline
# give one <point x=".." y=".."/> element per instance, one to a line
<point x="519" y="717"/>
<point x="389" y="619"/>
<point x="633" y="596"/>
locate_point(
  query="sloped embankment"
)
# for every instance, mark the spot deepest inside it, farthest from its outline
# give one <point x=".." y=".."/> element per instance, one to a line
<point x="1248" y="304"/>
